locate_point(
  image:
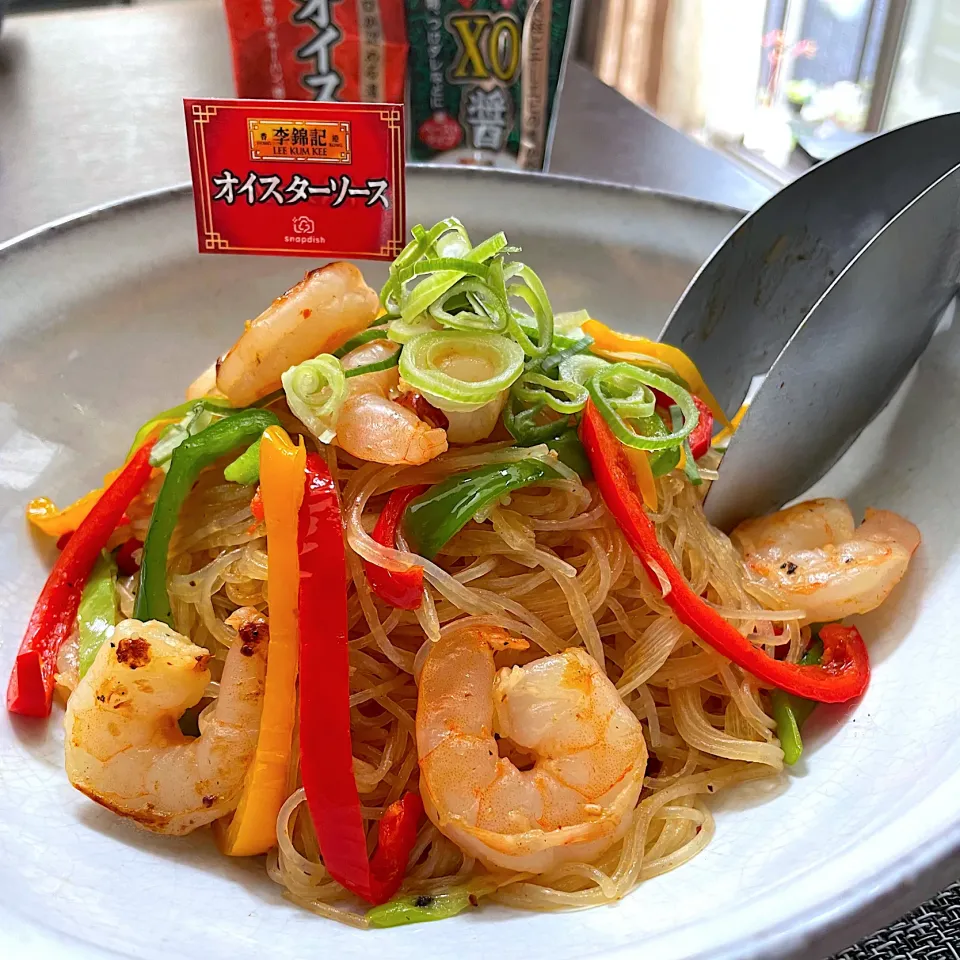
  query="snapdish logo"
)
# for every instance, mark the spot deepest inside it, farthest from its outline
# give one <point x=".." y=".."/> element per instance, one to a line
<point x="303" y="228"/>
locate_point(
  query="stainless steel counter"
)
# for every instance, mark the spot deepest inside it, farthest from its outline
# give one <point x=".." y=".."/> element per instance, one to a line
<point x="90" y="112"/>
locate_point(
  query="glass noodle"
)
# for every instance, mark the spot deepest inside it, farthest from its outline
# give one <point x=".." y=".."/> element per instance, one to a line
<point x="549" y="564"/>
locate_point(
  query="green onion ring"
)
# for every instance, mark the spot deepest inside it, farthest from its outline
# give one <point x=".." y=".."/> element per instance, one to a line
<point x="422" y="359"/>
<point x="534" y="387"/>
<point x="610" y="407"/>
<point x="364" y="336"/>
<point x="375" y="367"/>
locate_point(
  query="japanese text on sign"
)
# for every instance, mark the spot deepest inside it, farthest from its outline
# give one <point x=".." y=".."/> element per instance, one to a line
<point x="257" y="188"/>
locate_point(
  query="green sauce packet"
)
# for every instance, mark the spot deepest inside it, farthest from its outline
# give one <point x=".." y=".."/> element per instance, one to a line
<point x="484" y="79"/>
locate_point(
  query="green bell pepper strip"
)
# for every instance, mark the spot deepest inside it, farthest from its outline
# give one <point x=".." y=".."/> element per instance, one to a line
<point x="97" y="613"/>
<point x="792" y="712"/>
<point x="433" y="518"/>
<point x="569" y="450"/>
<point x="195" y="453"/>
<point x="522" y="424"/>
<point x="177" y="413"/>
<point x="246" y="468"/>
<point x="420" y="908"/>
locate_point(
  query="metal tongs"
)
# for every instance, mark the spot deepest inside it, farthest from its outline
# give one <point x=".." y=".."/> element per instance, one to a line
<point x="831" y="291"/>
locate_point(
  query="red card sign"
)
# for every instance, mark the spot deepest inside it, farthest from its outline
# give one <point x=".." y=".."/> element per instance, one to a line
<point x="298" y="178"/>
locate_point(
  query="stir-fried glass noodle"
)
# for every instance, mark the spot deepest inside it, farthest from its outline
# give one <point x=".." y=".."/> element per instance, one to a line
<point x="581" y="664"/>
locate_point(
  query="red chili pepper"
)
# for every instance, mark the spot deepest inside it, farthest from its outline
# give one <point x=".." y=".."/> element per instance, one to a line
<point x="127" y="564"/>
<point x="843" y="672"/>
<point x="30" y="691"/>
<point x="403" y="590"/>
<point x="256" y="506"/>
<point x="703" y="432"/>
<point x="326" y="750"/>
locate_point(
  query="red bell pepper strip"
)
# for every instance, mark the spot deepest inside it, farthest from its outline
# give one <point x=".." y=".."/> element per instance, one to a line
<point x="844" y="670"/>
<point x="30" y="691"/>
<point x="702" y="433"/>
<point x="326" y="751"/>
<point x="126" y="563"/>
<point x="403" y="590"/>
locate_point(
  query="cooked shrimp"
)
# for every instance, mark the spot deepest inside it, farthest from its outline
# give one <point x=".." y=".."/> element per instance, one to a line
<point x="588" y="753"/>
<point x="822" y="563"/>
<point x="373" y="427"/>
<point x="205" y="384"/>
<point x="123" y="746"/>
<point x="327" y="307"/>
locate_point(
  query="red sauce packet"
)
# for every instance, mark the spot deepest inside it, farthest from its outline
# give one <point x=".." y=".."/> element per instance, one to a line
<point x="347" y="50"/>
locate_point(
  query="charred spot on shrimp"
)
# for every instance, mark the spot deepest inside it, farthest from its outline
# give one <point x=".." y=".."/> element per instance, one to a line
<point x="252" y="632"/>
<point x="133" y="652"/>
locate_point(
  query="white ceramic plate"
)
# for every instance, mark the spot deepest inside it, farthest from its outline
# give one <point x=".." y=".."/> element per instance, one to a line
<point x="105" y="318"/>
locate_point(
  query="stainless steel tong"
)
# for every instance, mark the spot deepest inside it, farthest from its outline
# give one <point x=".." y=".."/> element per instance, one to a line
<point x="830" y="290"/>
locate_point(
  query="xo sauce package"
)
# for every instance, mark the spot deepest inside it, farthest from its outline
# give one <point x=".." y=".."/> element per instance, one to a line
<point x="484" y="79"/>
<point x="349" y="50"/>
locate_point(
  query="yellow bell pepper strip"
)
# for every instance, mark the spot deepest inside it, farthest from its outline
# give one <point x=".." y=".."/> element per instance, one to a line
<point x="54" y="522"/>
<point x="640" y="461"/>
<point x="605" y="338"/>
<point x="253" y="828"/>
<point x="722" y="439"/>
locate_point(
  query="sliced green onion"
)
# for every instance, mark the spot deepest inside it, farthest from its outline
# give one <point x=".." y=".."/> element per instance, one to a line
<point x="631" y="393"/>
<point x="534" y="387"/>
<point x="489" y="314"/>
<point x="198" y="418"/>
<point x="246" y="468"/>
<point x="522" y="282"/>
<point x="375" y="367"/>
<point x="428" y="361"/>
<point x="607" y="388"/>
<point x="364" y="336"/>
<point x="690" y="469"/>
<point x="213" y="404"/>
<point x="553" y="361"/>
<point x="436" y="264"/>
<point x="581" y="367"/>
<point x="419" y="908"/>
<point x="423" y="243"/>
<point x="433" y="287"/>
<point x="560" y="340"/>
<point x="403" y="331"/>
<point x="315" y="391"/>
<point x="571" y="323"/>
